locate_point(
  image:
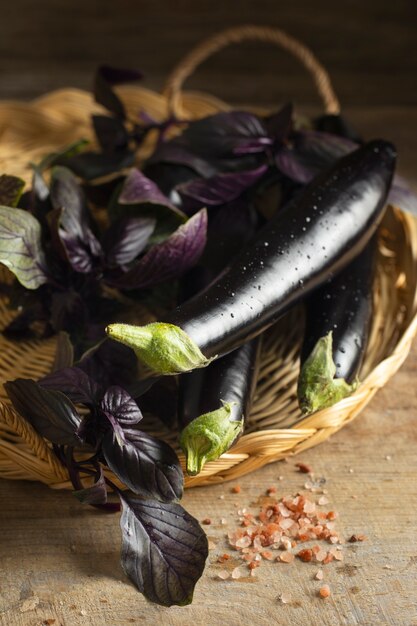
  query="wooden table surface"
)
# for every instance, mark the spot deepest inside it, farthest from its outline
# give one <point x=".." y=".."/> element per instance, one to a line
<point x="60" y="561"/>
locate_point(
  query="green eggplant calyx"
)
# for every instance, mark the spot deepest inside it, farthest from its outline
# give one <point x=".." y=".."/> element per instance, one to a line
<point x="209" y="436"/>
<point x="317" y="386"/>
<point x="164" y="348"/>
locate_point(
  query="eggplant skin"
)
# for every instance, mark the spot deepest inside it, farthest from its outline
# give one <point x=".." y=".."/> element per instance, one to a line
<point x="230" y="379"/>
<point x="313" y="238"/>
<point x="343" y="306"/>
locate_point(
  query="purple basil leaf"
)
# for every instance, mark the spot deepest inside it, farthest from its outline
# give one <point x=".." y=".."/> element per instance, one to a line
<point x="121" y="405"/>
<point x="68" y="311"/>
<point x="64" y="353"/>
<point x="169" y="259"/>
<point x="138" y="189"/>
<point x="172" y="153"/>
<point x="279" y="124"/>
<point x="110" y="363"/>
<point x="164" y="550"/>
<point x="126" y="239"/>
<point x="72" y="223"/>
<point x="219" y="189"/>
<point x="146" y="465"/>
<point x="222" y="134"/>
<point x="401" y="195"/>
<point x="92" y="165"/>
<point x="310" y="153"/>
<point x="95" y="494"/>
<point x="21" y="248"/>
<point x="74" y="383"/>
<point x="51" y="413"/>
<point x="11" y="188"/>
<point x="336" y="125"/>
<point x="110" y="132"/>
<point x="105" y="78"/>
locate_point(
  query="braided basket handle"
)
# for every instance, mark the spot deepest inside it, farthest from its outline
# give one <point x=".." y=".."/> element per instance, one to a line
<point x="224" y="38"/>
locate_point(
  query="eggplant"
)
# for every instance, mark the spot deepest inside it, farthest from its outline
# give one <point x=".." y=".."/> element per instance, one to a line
<point x="214" y="403"/>
<point x="313" y="238"/>
<point x="338" y="321"/>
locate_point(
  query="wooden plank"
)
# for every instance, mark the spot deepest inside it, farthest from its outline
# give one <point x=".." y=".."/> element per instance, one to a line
<point x="369" y="47"/>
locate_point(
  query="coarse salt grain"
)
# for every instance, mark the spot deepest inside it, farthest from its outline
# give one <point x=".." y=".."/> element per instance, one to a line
<point x="323" y="500"/>
<point x="324" y="592"/>
<point x="286" y="557"/>
<point x="223" y="574"/>
<point x="236" y="489"/>
<point x="319" y="575"/>
<point x="285" y="598"/>
<point x="236" y="573"/>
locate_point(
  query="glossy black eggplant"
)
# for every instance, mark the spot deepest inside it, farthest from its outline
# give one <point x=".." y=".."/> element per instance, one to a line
<point x="315" y="237"/>
<point x="214" y="403"/>
<point x="338" y="321"/>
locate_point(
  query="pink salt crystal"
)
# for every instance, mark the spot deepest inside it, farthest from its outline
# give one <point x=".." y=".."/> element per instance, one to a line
<point x="285" y="598"/>
<point x="243" y="542"/>
<point x="257" y="543"/>
<point x="334" y="539"/>
<point x="257" y="557"/>
<point x="309" y="507"/>
<point x="236" y="573"/>
<point x="323" y="500"/>
<point x="280" y="477"/>
<point x="286" y="543"/>
<point x="283" y="510"/>
<point x="286" y="557"/>
<point x="223" y="521"/>
<point x="319" y="575"/>
<point x="223" y="574"/>
<point x="308" y="485"/>
<point x="337" y="553"/>
<point x="286" y="523"/>
<point x="321" y="555"/>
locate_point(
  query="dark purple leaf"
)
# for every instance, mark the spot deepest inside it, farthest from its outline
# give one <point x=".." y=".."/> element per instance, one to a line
<point x="118" y="403"/>
<point x="92" y="165"/>
<point x="146" y="465"/>
<point x="164" y="550"/>
<point x="169" y="259"/>
<point x="401" y="195"/>
<point x="137" y="189"/>
<point x="64" y="352"/>
<point x="11" y="188"/>
<point x="336" y="125"/>
<point x="168" y="175"/>
<point x="221" y="188"/>
<point x="74" y="383"/>
<point x="68" y="311"/>
<point x="126" y="239"/>
<point x="110" y="363"/>
<point x="279" y="124"/>
<point x="311" y="152"/>
<point x="51" y="413"/>
<point x="61" y="155"/>
<point x="105" y="78"/>
<point x="95" y="494"/>
<point x="110" y="132"/>
<point x="72" y="223"/>
<point x="20" y="247"/>
<point x="171" y="152"/>
<point x="222" y="134"/>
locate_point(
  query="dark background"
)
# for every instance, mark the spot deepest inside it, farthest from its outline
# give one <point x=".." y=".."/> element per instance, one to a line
<point x="369" y="47"/>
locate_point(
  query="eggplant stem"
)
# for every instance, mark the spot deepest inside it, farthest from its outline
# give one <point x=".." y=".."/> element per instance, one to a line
<point x="164" y="348"/>
<point x="317" y="386"/>
<point x="209" y="436"/>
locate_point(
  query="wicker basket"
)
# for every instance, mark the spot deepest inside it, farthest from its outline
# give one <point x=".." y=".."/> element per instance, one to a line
<point x="275" y="428"/>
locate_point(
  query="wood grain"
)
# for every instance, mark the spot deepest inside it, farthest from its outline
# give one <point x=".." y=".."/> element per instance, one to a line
<point x="370" y="48"/>
<point x="60" y="561"/>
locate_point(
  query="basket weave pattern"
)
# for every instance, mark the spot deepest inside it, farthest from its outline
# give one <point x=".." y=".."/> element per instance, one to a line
<point x="275" y="428"/>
